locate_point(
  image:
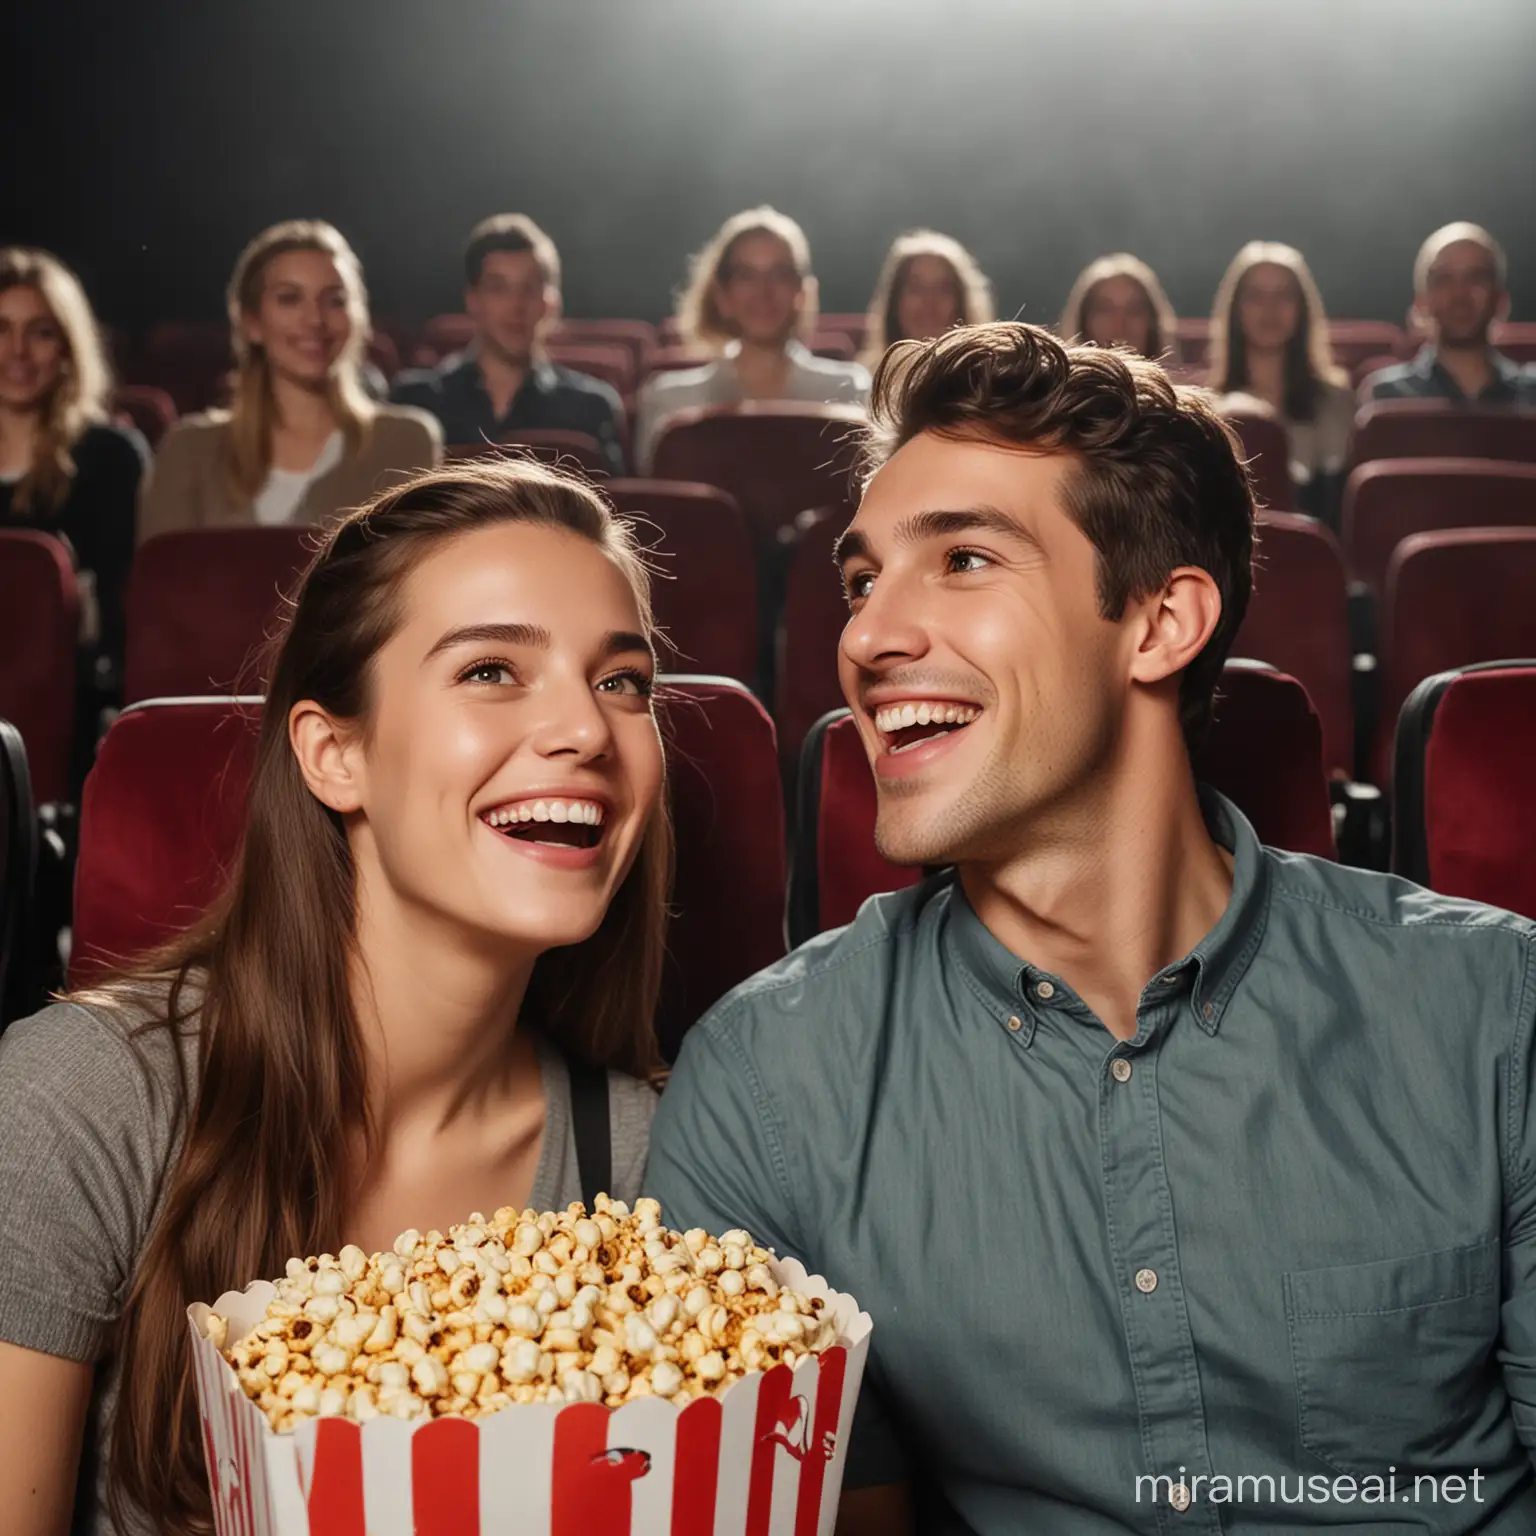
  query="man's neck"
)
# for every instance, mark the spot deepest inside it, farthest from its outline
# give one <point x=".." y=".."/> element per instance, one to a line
<point x="1109" y="889"/>
<point x="502" y="375"/>
<point x="1471" y="365"/>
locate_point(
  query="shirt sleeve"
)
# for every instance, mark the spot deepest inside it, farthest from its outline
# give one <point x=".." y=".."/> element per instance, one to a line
<point x="1517" y="1351"/>
<point x="168" y="492"/>
<point x="717" y="1162"/>
<point x="86" y="1128"/>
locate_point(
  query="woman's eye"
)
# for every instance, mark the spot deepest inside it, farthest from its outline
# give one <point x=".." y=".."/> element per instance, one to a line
<point x="962" y="561"/>
<point x="491" y="672"/>
<point x="637" y="685"/>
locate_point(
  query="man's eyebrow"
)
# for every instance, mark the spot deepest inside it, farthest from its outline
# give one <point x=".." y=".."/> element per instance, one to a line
<point x="941" y="524"/>
<point x="616" y="642"/>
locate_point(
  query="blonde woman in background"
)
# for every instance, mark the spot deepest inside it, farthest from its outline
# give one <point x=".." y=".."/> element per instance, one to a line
<point x="751" y="298"/>
<point x="65" y="469"/>
<point x="928" y="283"/>
<point x="1117" y="301"/>
<point x="1269" y="344"/>
<point x="302" y="439"/>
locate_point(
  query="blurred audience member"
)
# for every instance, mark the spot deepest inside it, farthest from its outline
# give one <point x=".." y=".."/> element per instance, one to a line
<point x="927" y="284"/>
<point x="302" y="440"/>
<point x="750" y="297"/>
<point x="1270" y="349"/>
<point x="504" y="382"/>
<point x="1117" y="301"/>
<point x="1459" y="294"/>
<point x="64" y="468"/>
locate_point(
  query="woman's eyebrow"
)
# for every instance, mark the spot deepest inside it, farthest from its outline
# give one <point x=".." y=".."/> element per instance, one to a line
<point x="526" y="635"/>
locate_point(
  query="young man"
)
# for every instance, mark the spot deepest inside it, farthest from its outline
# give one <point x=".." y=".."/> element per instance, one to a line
<point x="504" y="383"/>
<point x="1459" y="294"/>
<point x="1191" y="1186"/>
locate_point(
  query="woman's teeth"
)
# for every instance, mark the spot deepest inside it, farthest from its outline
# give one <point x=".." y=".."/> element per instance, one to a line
<point x="579" y="811"/>
<point x="898" y="717"/>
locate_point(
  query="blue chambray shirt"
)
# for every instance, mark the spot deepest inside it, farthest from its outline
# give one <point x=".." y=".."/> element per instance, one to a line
<point x="1286" y="1234"/>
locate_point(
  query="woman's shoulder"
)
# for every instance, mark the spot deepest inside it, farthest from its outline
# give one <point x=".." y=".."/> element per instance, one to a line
<point x="631" y="1108"/>
<point x="200" y="433"/>
<point x="676" y="385"/>
<point x="107" y="446"/>
<point x="841" y="380"/>
<point x="407" y="429"/>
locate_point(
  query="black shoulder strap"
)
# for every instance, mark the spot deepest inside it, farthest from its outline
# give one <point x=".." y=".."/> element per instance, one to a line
<point x="589" y="1123"/>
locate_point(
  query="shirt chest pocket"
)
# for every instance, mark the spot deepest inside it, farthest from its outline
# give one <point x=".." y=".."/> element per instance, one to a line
<point x="1393" y="1359"/>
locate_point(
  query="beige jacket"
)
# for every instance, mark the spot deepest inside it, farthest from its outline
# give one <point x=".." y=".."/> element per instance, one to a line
<point x="187" y="486"/>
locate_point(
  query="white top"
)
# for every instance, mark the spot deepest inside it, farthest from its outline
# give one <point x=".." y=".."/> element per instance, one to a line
<point x="821" y="380"/>
<point x="279" y="498"/>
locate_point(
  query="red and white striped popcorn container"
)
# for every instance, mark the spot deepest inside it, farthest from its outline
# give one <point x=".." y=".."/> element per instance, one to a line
<point x="764" y="1458"/>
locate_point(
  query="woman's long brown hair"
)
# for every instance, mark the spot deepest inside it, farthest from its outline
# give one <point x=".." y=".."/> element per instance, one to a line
<point x="263" y="1172"/>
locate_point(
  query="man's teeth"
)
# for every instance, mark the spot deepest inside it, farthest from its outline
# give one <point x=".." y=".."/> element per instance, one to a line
<point x="548" y="810"/>
<point x="899" y="716"/>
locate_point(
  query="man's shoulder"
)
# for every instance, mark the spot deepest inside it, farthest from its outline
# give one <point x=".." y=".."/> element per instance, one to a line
<point x="1395" y="382"/>
<point x="583" y="389"/>
<point x="421" y="386"/>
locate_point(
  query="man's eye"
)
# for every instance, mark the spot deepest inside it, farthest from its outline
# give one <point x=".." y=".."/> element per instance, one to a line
<point x="858" y="586"/>
<point x="961" y="561"/>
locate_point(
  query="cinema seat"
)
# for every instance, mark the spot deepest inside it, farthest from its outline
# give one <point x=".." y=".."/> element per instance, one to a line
<point x="1267" y="449"/>
<point x="189" y="359"/>
<point x="637" y="336"/>
<point x="149" y="411"/>
<point x="705" y="588"/>
<point x="39" y="633"/>
<point x="1389" y="500"/>
<point x="1516" y="339"/>
<point x="1422" y="429"/>
<point x="775" y="458"/>
<point x="1265" y="752"/>
<point x="164" y="806"/>
<point x="1353" y="341"/>
<point x="200" y="603"/>
<point x="1298" y="621"/>
<point x="550" y="445"/>
<point x="18" y="875"/>
<point x="610" y="362"/>
<point x="814" y="615"/>
<point x="1464" y="817"/>
<point x="1454" y="597"/>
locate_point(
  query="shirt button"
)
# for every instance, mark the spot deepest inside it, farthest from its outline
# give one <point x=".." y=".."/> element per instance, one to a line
<point x="1146" y="1281"/>
<point x="1045" y="991"/>
<point x="1209" y="1010"/>
<point x="1178" y="1496"/>
<point x="1120" y="1069"/>
<point x="1015" y="1025"/>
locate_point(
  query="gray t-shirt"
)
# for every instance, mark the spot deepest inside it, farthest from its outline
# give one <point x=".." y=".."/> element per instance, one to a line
<point x="90" y="1123"/>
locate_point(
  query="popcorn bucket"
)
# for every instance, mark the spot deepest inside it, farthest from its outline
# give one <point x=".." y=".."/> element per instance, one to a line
<point x="764" y="1458"/>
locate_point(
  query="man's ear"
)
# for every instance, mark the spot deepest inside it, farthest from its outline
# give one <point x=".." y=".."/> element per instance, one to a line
<point x="328" y="756"/>
<point x="1178" y="621"/>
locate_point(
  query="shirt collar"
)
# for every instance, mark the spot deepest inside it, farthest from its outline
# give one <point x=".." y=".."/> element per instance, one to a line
<point x="1506" y="373"/>
<point x="1212" y="970"/>
<point x="463" y="369"/>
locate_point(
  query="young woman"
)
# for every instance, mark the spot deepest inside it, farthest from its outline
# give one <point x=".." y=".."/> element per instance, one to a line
<point x="1117" y="301"/>
<point x="1269" y="343"/>
<point x="64" y="468"/>
<point x="750" y="297"/>
<point x="451" y="898"/>
<point x="928" y="283"/>
<point x="303" y="438"/>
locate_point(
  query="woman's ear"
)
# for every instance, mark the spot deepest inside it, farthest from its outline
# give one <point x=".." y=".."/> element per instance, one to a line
<point x="1179" y="622"/>
<point x="328" y="756"/>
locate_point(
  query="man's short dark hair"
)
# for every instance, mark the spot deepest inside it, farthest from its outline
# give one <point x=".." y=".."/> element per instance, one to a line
<point x="1160" y="480"/>
<point x="510" y="232"/>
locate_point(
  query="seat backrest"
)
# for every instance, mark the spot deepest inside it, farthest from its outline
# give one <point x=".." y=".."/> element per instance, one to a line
<point x="1463" y="815"/>
<point x="1267" y="449"/>
<point x="705" y="595"/>
<point x="150" y="411"/>
<point x="18" y="873"/>
<point x="1454" y="597"/>
<point x="611" y="362"/>
<point x="549" y="445"/>
<point x="1265" y="754"/>
<point x="835" y="866"/>
<point x="1388" y="500"/>
<point x="160" y="825"/>
<point x="165" y="804"/>
<point x="1418" y="429"/>
<point x="776" y="459"/>
<point x="1298" y="621"/>
<point x="1352" y="341"/>
<point x="39" y="632"/>
<point x="443" y="334"/>
<point x="814" y="615"/>
<point x="189" y="359"/>
<point x="200" y="603"/>
<point x="637" y="336"/>
<point x="1516" y="339"/>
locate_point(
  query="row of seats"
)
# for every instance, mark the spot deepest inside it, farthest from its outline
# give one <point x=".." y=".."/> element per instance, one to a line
<point x="165" y="801"/>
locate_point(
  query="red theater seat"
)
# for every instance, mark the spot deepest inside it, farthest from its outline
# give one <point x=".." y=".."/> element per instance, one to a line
<point x="1192" y="341"/>
<point x="1464" y="817"/>
<point x="1298" y="621"/>
<point x="18" y="875"/>
<point x="200" y="603"/>
<point x="550" y="445"/>
<point x="815" y="613"/>
<point x="164" y="806"/>
<point x="705" y="589"/>
<point x="1389" y="500"/>
<point x="1268" y="452"/>
<point x="443" y="334"/>
<point x="1265" y="753"/>
<point x="151" y="411"/>
<point x="1517" y="339"/>
<point x="1453" y="598"/>
<point x="39" y="631"/>
<point x="1421" y="429"/>
<point x="776" y="459"/>
<point x="1353" y="341"/>
<point x="189" y="359"/>
<point x="638" y="337"/>
<point x="609" y="362"/>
